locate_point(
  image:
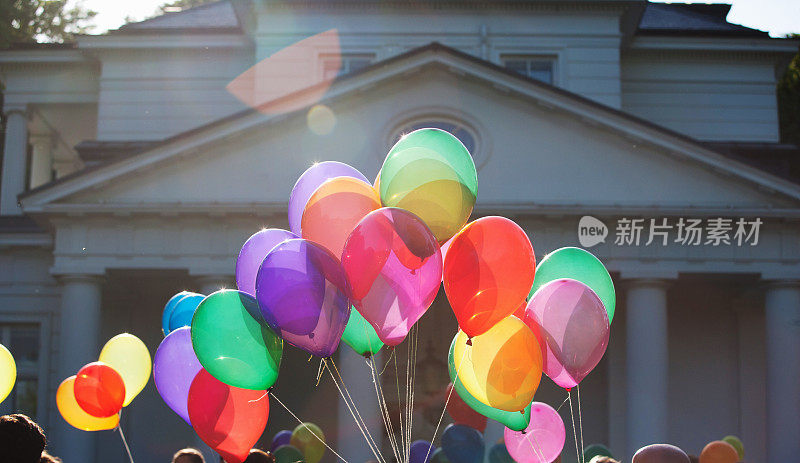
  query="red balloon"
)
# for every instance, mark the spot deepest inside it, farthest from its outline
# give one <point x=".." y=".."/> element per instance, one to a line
<point x="488" y="272"/>
<point x="99" y="390"/>
<point x="229" y="419"/>
<point x="461" y="413"/>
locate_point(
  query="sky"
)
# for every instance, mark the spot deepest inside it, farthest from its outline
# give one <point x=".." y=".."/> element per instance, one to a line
<point x="779" y="17"/>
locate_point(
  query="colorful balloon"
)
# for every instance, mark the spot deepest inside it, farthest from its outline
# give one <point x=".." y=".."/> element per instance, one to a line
<point x="302" y="292"/>
<point x="573" y="328"/>
<point x="231" y="345"/>
<point x="184" y="311"/>
<point x="281" y="438"/>
<point x="175" y="366"/>
<point x="394" y="268"/>
<point x="334" y="210"/>
<point x="310" y="440"/>
<point x="253" y="252"/>
<point x="169" y="307"/>
<point x="542" y="441"/>
<point x="309" y="181"/>
<point x="421" y="451"/>
<point x="360" y="335"/>
<point x="99" y="390"/>
<point x="462" y="413"/>
<point x="489" y="269"/>
<point x="463" y="444"/>
<point x="499" y="454"/>
<point x="288" y="454"/>
<point x="229" y="419"/>
<point x="719" y="452"/>
<point x="736" y="443"/>
<point x="660" y="453"/>
<point x="577" y="264"/>
<point x="439" y="456"/>
<point x="74" y="414"/>
<point x="502" y="368"/>
<point x="430" y="173"/>
<point x="128" y="355"/>
<point x="8" y="372"/>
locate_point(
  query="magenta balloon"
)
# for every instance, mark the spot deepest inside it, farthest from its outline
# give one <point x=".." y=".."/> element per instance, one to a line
<point x="542" y="441"/>
<point x="309" y="181"/>
<point x="573" y="327"/>
<point x="660" y="453"/>
<point x="253" y="252"/>
<point x="174" y="367"/>
<point x="394" y="267"/>
<point x="302" y="293"/>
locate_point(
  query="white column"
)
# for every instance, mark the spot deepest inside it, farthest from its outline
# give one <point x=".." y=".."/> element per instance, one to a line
<point x="41" y="160"/>
<point x="14" y="161"/>
<point x="782" y="310"/>
<point x="79" y="335"/>
<point x="358" y="379"/>
<point x="647" y="363"/>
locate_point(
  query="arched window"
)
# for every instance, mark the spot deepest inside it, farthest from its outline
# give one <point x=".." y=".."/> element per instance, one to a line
<point x="458" y="130"/>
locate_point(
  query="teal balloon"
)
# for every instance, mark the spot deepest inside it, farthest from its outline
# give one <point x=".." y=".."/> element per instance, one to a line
<point x="515" y="421"/>
<point x="595" y="450"/>
<point x="288" y="454"/>
<point x="360" y="335"/>
<point x="184" y="311"/>
<point x="439" y="456"/>
<point x="499" y="454"/>
<point x="577" y="264"/>
<point x="231" y="345"/>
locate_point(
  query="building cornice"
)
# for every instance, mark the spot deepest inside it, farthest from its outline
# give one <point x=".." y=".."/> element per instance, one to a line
<point x="714" y="44"/>
<point x="164" y="41"/>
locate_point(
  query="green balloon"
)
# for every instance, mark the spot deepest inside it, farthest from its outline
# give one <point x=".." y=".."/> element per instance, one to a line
<point x="232" y="345"/>
<point x="515" y="421"/>
<point x="581" y="265"/>
<point x="595" y="450"/>
<point x="438" y="456"/>
<point x="288" y="454"/>
<point x="735" y="443"/>
<point x="430" y="173"/>
<point x="360" y="335"/>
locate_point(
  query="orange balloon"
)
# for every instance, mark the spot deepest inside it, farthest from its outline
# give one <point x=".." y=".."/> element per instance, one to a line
<point x="74" y="414"/>
<point x="488" y="272"/>
<point x="719" y="452"/>
<point x="334" y="210"/>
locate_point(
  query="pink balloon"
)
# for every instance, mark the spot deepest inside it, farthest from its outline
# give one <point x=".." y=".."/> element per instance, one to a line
<point x="394" y="267"/>
<point x="572" y="325"/>
<point x="542" y="441"/>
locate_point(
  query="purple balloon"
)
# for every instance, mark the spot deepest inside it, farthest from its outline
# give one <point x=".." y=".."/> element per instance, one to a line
<point x="421" y="451"/>
<point x="282" y="438"/>
<point x="542" y="440"/>
<point x="574" y="328"/>
<point x="660" y="453"/>
<point x="174" y="367"/>
<point x="311" y="179"/>
<point x="253" y="252"/>
<point x="302" y="292"/>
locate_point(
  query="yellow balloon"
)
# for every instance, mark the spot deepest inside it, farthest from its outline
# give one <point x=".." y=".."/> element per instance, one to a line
<point x="8" y="373"/>
<point x="502" y="368"/>
<point x="74" y="414"/>
<point x="129" y="356"/>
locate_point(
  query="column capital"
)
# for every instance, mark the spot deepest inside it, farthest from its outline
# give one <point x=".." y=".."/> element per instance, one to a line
<point x="66" y="278"/>
<point x="16" y="108"/>
<point x="648" y="282"/>
<point x="214" y="282"/>
<point x="780" y="283"/>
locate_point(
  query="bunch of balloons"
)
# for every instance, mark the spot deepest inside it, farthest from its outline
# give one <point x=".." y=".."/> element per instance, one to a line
<point x="306" y="443"/>
<point x="92" y="399"/>
<point x="8" y="372"/>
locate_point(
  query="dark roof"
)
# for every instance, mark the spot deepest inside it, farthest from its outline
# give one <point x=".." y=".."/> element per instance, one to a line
<point x="779" y="159"/>
<point x="692" y="19"/>
<point x="219" y="16"/>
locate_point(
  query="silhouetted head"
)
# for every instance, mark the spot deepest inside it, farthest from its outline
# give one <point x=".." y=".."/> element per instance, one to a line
<point x="21" y="439"/>
<point x="259" y="456"/>
<point x="188" y="455"/>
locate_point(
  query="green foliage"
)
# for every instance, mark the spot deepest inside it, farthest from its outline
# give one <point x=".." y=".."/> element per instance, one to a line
<point x="789" y="101"/>
<point x="41" y="20"/>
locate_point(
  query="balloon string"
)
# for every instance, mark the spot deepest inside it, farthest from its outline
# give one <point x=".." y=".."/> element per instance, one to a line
<point x="399" y="406"/>
<point x="365" y="431"/>
<point x="574" y="432"/>
<point x="562" y="403"/>
<point x="387" y="422"/>
<point x="537" y="449"/>
<point x="124" y="441"/>
<point x="580" y="422"/>
<point x="446" y="402"/>
<point x="301" y="422"/>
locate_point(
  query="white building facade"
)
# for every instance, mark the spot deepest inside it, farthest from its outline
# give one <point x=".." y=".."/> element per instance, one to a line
<point x="133" y="169"/>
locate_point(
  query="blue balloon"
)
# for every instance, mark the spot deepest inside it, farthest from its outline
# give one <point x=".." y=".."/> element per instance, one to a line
<point x="281" y="438"/>
<point x="184" y="311"/>
<point x="463" y="444"/>
<point x="499" y="454"/>
<point x="169" y="307"/>
<point x="439" y="456"/>
<point x="421" y="451"/>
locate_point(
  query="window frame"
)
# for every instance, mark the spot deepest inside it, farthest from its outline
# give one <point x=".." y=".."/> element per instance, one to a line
<point x="531" y="58"/>
<point x="43" y="320"/>
<point x="324" y="58"/>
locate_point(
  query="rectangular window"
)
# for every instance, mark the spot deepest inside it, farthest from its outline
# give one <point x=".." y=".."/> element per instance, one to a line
<point x="23" y="341"/>
<point x="541" y="68"/>
<point x="350" y="62"/>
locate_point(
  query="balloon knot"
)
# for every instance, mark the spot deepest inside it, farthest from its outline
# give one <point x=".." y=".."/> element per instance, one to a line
<point x="368" y="355"/>
<point x="269" y="389"/>
<point x="523" y="432"/>
<point x="569" y="389"/>
<point x="310" y="335"/>
<point x="469" y="341"/>
<point x="522" y="412"/>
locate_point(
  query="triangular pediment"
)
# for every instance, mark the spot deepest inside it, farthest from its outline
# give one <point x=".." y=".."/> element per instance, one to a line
<point x="537" y="147"/>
